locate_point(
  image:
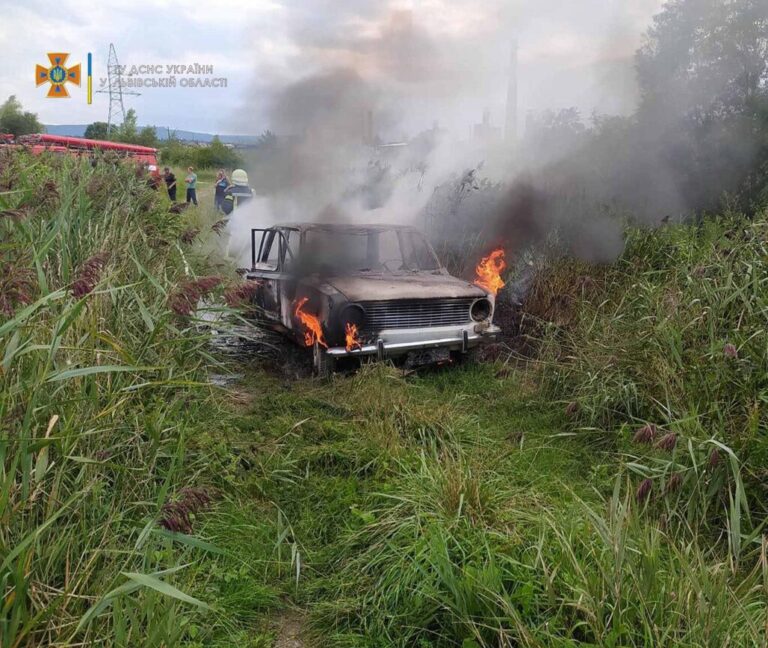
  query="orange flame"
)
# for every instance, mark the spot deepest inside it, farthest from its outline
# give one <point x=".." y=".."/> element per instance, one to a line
<point x="353" y="340"/>
<point x="313" y="330"/>
<point x="488" y="271"/>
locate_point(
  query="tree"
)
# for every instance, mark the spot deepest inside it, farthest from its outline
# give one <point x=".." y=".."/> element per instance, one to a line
<point x="17" y="122"/>
<point x="551" y="134"/>
<point x="705" y="59"/>
<point x="128" y="130"/>
<point x="266" y="140"/>
<point x="96" y="130"/>
<point x="703" y="76"/>
<point x="147" y="136"/>
<point x="217" y="154"/>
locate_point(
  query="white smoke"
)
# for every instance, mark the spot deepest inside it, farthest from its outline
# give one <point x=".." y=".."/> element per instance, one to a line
<point x="376" y="76"/>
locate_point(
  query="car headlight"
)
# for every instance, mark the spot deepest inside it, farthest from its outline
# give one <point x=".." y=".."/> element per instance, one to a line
<point x="352" y="314"/>
<point x="481" y="309"/>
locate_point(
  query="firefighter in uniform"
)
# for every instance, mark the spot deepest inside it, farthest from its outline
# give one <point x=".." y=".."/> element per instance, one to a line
<point x="237" y="193"/>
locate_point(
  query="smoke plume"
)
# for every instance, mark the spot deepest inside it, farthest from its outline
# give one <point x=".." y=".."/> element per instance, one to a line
<point x="376" y="125"/>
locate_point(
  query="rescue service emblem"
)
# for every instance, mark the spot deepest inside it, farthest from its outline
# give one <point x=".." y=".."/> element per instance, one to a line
<point x="58" y="75"/>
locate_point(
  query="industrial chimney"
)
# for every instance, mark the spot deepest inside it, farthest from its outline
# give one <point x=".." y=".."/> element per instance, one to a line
<point x="510" y="125"/>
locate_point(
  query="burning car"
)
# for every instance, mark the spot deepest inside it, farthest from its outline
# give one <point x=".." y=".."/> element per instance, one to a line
<point x="369" y="290"/>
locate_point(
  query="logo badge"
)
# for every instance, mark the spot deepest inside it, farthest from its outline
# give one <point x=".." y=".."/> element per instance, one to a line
<point x="58" y="75"/>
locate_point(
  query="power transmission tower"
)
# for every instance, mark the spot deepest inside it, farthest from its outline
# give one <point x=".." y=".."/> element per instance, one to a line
<point x="510" y="127"/>
<point x="115" y="90"/>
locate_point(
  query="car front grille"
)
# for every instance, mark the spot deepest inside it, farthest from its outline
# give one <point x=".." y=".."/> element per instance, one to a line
<point x="416" y="313"/>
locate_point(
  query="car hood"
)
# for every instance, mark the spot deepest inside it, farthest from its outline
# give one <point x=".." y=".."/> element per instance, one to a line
<point x="422" y="285"/>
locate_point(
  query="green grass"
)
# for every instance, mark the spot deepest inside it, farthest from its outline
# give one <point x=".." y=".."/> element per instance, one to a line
<point x="461" y="507"/>
<point x="674" y="334"/>
<point x="456" y="509"/>
<point x="101" y="387"/>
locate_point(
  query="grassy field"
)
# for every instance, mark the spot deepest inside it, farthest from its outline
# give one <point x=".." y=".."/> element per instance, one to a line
<point x="609" y="492"/>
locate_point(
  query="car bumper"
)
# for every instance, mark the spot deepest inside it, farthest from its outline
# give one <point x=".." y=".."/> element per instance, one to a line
<point x="396" y="342"/>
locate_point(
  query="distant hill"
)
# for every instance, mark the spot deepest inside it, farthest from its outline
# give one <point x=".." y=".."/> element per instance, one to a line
<point x="69" y="130"/>
<point x="78" y="130"/>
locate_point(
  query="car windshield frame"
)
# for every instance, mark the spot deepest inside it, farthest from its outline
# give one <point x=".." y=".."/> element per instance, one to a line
<point x="367" y="250"/>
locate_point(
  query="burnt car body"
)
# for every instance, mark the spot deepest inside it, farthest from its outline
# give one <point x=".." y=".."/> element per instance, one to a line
<point x="365" y="290"/>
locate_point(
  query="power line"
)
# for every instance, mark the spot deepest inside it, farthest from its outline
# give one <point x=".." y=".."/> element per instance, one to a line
<point x="115" y="90"/>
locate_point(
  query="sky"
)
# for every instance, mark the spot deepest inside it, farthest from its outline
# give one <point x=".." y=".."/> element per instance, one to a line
<point x="427" y="61"/>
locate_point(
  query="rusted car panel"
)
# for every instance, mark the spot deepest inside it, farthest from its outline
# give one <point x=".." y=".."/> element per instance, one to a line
<point x="365" y="290"/>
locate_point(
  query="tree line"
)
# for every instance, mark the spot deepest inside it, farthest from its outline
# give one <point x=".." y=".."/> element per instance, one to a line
<point x="700" y="130"/>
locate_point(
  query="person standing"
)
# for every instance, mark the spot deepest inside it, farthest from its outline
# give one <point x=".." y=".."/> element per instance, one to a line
<point x="238" y="193"/>
<point x="191" y="182"/>
<point x="170" y="183"/>
<point x="221" y="186"/>
<point x="153" y="181"/>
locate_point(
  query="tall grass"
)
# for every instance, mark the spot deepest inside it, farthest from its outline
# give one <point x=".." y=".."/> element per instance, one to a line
<point x="457" y="508"/>
<point x="673" y="335"/>
<point x="660" y="363"/>
<point x="99" y="388"/>
<point x="675" y="330"/>
<point x="455" y="558"/>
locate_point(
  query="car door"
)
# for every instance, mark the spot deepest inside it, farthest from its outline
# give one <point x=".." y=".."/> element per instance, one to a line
<point x="270" y="256"/>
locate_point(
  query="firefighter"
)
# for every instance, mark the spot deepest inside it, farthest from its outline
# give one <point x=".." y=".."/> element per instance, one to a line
<point x="170" y="183"/>
<point x="237" y="193"/>
<point x="153" y="181"/>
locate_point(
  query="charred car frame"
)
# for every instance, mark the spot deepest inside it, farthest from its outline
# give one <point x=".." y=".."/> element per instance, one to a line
<point x="366" y="290"/>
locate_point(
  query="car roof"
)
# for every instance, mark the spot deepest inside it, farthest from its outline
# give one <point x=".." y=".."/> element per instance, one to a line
<point x="343" y="227"/>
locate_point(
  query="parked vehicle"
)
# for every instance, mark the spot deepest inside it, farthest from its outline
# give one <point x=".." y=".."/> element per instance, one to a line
<point x="79" y="146"/>
<point x="366" y="290"/>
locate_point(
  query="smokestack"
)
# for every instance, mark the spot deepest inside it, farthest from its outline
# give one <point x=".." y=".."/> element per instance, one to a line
<point x="510" y="126"/>
<point x="366" y="126"/>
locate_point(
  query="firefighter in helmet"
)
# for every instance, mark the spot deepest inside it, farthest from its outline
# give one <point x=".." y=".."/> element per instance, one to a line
<point x="237" y="193"/>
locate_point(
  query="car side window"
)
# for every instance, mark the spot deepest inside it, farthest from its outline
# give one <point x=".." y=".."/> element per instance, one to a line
<point x="290" y="243"/>
<point x="270" y="249"/>
<point x="274" y="251"/>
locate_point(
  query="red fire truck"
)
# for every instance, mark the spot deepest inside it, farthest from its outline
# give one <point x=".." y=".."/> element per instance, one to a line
<point x="81" y="146"/>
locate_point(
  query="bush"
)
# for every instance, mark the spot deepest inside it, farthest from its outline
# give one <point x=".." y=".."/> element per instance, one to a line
<point x="214" y="155"/>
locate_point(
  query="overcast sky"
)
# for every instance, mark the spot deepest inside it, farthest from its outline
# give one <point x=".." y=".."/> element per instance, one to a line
<point x="451" y="63"/>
